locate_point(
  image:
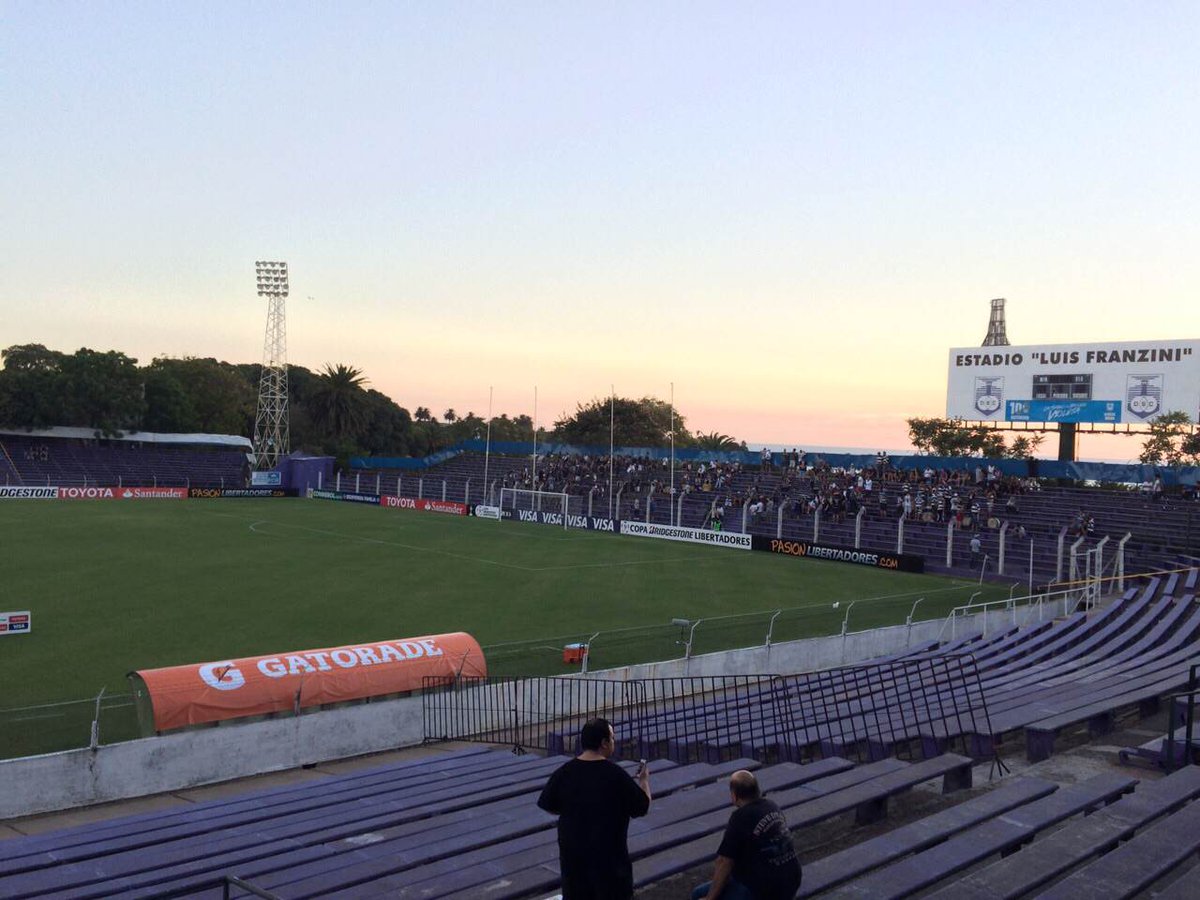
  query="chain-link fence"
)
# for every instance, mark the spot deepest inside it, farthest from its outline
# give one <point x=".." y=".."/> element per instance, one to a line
<point x="30" y="730"/>
<point x="683" y="637"/>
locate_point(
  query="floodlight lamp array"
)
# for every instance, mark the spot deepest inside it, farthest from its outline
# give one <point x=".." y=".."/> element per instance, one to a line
<point x="272" y="278"/>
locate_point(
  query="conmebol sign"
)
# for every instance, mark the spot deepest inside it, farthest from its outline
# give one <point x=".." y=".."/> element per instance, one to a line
<point x="253" y="686"/>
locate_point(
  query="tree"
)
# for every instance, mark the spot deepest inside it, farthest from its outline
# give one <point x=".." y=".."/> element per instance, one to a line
<point x="31" y="386"/>
<point x="951" y="437"/>
<point x="638" y="423"/>
<point x="101" y="390"/>
<point x="200" y="395"/>
<point x="1025" y="447"/>
<point x="716" y="441"/>
<point x="338" y="402"/>
<point x="450" y="415"/>
<point x="1171" y="442"/>
<point x="422" y="414"/>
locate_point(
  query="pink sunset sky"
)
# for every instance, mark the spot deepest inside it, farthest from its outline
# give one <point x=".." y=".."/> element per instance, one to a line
<point x="790" y="211"/>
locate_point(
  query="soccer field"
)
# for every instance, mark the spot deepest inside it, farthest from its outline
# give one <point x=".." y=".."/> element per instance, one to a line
<point x="119" y="586"/>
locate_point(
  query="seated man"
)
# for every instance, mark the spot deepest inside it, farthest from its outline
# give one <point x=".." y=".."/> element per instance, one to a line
<point x="756" y="859"/>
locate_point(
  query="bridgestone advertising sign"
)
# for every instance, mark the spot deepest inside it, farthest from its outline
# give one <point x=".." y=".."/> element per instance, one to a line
<point x="689" y="535"/>
<point x="897" y="562"/>
<point x="28" y="493"/>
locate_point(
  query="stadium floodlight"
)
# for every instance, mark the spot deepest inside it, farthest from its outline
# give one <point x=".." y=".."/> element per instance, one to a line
<point x="272" y="278"/>
<point x="271" y="431"/>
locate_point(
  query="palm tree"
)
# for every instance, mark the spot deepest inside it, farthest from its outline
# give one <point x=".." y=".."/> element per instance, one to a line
<point x="450" y="415"/>
<point x="338" y="400"/>
<point x="716" y="441"/>
<point x="422" y="414"/>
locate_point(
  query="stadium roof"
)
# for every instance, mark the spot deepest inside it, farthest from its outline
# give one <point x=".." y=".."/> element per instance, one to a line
<point x="145" y="437"/>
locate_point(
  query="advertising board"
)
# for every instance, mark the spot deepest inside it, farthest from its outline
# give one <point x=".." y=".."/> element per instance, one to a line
<point x="690" y="535"/>
<point x="346" y="496"/>
<point x="20" y="622"/>
<point x="213" y="493"/>
<point x="897" y="562"/>
<point x="122" y="493"/>
<point x="257" y="685"/>
<point x="266" y="479"/>
<point x="17" y="492"/>
<point x="438" y="506"/>
<point x="1126" y="382"/>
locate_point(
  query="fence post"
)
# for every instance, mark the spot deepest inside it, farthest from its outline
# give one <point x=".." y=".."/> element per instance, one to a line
<point x="1003" y="538"/>
<point x="779" y="520"/>
<point x="1058" y="562"/>
<point x="858" y="527"/>
<point x="467" y="493"/>
<point x="378" y="482"/>
<point x="900" y="533"/>
<point x="95" y="739"/>
<point x="339" y="479"/>
<point x="1100" y="560"/>
<point x="443" y="490"/>
<point x="745" y="515"/>
<point x="591" y="497"/>
<point x="1074" y="564"/>
<point x="421" y="487"/>
<point x="950" y="542"/>
<point x="817" y="525"/>
<point x="1121" y="561"/>
<point x="620" y="491"/>
<point x="679" y="511"/>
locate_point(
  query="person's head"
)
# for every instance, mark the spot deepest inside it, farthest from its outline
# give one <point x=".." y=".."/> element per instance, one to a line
<point x="743" y="787"/>
<point x="597" y="736"/>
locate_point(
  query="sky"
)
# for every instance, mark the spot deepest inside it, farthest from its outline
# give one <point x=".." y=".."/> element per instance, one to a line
<point x="788" y="211"/>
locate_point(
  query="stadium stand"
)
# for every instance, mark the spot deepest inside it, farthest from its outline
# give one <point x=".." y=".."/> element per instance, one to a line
<point x="64" y="462"/>
<point x="1160" y="531"/>
<point x="1036" y="682"/>
<point x="461" y="824"/>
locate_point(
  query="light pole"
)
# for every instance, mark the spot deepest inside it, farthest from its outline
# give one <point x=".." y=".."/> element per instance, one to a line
<point x="271" y="432"/>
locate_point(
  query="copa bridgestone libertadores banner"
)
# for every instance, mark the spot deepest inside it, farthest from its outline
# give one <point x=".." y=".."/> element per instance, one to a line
<point x="732" y="539"/>
<point x="257" y="685"/>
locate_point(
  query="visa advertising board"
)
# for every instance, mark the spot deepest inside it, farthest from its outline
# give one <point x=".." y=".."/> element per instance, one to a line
<point x="1126" y="382"/>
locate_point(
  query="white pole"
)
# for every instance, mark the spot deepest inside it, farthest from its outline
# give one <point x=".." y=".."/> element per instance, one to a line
<point x="487" y="447"/>
<point x="535" y="487"/>
<point x="672" y="452"/>
<point x="1030" y="567"/>
<point x="612" y="424"/>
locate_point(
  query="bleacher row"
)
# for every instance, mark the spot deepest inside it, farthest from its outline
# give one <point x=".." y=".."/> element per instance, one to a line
<point x="1039" y="681"/>
<point x="465" y="825"/>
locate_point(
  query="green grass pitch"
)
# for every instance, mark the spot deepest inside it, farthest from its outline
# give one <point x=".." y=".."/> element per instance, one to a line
<point x="118" y="586"/>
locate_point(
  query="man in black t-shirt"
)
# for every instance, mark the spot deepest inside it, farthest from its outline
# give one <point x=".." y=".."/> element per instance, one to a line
<point x="594" y="800"/>
<point x="756" y="859"/>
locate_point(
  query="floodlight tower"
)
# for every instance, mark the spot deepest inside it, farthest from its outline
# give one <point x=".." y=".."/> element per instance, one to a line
<point x="997" y="335"/>
<point x="271" y="437"/>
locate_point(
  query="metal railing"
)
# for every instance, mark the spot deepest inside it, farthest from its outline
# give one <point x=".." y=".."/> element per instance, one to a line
<point x="908" y="708"/>
<point x="1188" y="752"/>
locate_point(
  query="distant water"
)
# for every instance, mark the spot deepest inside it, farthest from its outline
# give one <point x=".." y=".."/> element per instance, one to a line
<point x="892" y="451"/>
